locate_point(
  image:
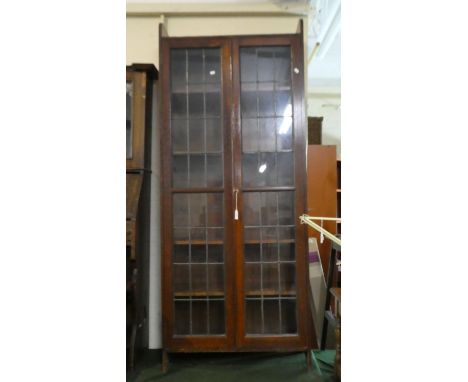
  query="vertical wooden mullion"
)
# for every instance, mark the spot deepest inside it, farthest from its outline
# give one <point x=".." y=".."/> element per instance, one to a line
<point x="229" y="254"/>
<point x="237" y="184"/>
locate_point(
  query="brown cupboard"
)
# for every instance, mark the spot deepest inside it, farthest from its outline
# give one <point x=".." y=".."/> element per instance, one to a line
<point x="321" y="194"/>
<point x="233" y="184"/>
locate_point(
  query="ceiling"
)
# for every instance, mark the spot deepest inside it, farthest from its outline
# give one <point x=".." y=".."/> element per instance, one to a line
<point x="324" y="34"/>
<point x="326" y="71"/>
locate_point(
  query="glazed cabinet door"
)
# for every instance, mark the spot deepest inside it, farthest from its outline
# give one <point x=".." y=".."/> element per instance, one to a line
<point x="270" y="174"/>
<point x="197" y="285"/>
<point x="233" y="188"/>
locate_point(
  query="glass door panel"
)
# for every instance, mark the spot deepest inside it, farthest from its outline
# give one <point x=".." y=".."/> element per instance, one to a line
<point x="198" y="256"/>
<point x="268" y="217"/>
<point x="269" y="262"/>
<point x="196" y="123"/>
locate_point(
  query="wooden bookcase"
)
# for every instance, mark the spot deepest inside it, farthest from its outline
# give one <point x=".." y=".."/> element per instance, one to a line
<point x="234" y="138"/>
<point x="139" y="92"/>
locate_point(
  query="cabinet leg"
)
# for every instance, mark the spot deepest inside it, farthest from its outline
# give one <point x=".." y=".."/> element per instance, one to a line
<point x="164" y="361"/>
<point x="132" y="346"/>
<point x="338" y="350"/>
<point x="308" y="358"/>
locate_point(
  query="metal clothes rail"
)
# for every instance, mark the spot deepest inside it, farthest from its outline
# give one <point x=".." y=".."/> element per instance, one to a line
<point x="309" y="220"/>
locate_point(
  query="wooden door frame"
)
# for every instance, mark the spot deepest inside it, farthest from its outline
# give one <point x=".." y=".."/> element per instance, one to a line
<point x="302" y="340"/>
<point x="198" y="342"/>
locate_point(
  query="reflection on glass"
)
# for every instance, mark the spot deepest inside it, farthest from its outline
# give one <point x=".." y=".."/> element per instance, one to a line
<point x="284" y="134"/>
<point x="283" y="104"/>
<point x="267" y="117"/>
<point x="196" y="118"/>
<point x="269" y="176"/>
<point x="286" y="123"/>
<point x="212" y="65"/>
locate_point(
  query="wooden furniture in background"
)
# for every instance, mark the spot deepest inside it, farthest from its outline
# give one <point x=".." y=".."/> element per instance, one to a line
<point x="233" y="186"/>
<point x="321" y="193"/>
<point x="139" y="92"/>
<point x="336" y="293"/>
<point x="314" y="129"/>
<point x="330" y="313"/>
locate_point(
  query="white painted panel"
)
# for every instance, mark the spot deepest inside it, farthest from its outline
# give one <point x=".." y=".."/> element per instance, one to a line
<point x="230" y="25"/>
<point x="142" y="40"/>
<point x="155" y="312"/>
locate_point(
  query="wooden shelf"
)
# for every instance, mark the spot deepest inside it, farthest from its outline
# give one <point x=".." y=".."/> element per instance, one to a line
<point x="196" y="88"/>
<point x="202" y="293"/>
<point x="198" y="242"/>
<point x="269" y="86"/>
<point x="200" y="153"/>
<point x="220" y="293"/>
<point x="220" y="242"/>
<point x="270" y="292"/>
<point x="271" y="241"/>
